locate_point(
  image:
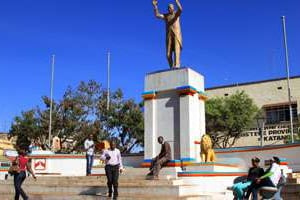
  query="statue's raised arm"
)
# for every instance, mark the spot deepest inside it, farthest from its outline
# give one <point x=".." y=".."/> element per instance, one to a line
<point x="179" y="6"/>
<point x="156" y="11"/>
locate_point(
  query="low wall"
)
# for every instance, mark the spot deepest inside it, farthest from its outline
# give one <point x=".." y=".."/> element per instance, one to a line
<point x="64" y="165"/>
<point x="73" y="165"/>
<point x="288" y="151"/>
<point x="133" y="160"/>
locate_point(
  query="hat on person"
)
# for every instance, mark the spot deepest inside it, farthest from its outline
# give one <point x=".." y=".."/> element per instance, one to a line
<point x="276" y="159"/>
<point x="256" y="159"/>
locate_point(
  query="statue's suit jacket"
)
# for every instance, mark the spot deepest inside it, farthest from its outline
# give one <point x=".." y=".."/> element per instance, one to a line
<point x="173" y="28"/>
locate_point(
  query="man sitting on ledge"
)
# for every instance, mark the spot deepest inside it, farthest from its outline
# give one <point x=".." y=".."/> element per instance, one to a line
<point x="163" y="158"/>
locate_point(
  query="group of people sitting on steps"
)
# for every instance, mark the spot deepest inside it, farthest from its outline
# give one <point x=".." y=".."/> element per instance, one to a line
<point x="258" y="178"/>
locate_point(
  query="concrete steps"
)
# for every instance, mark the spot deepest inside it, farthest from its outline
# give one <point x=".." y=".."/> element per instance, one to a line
<point x="291" y="191"/>
<point x="128" y="189"/>
<point x="131" y="187"/>
<point x="103" y="197"/>
<point x="95" y="188"/>
<point x="94" y="181"/>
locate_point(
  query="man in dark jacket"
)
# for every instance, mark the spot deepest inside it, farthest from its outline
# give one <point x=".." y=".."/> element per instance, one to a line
<point x="254" y="172"/>
<point x="163" y="158"/>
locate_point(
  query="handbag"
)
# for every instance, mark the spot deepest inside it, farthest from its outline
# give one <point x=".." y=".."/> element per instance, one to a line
<point x="14" y="168"/>
<point x="282" y="181"/>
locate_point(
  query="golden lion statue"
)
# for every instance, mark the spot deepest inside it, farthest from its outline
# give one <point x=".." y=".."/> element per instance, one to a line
<point x="102" y="145"/>
<point x="207" y="153"/>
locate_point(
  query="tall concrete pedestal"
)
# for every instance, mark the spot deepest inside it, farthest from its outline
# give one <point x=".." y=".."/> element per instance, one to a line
<point x="174" y="109"/>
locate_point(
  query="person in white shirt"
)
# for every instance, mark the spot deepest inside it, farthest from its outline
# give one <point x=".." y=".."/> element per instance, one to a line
<point x="89" y="146"/>
<point x="113" y="166"/>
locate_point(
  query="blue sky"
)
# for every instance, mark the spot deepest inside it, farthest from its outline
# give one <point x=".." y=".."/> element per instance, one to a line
<point x="230" y="41"/>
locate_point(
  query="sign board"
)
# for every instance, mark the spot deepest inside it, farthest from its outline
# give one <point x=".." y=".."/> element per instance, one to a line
<point x="40" y="164"/>
<point x="272" y="134"/>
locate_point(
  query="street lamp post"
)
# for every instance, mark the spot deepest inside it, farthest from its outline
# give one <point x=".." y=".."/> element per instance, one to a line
<point x="261" y="126"/>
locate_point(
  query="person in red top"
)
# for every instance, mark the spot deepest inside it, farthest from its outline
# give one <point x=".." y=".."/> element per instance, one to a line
<point x="24" y="165"/>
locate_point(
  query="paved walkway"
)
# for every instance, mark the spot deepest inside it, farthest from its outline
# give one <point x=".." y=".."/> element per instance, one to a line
<point x="97" y="197"/>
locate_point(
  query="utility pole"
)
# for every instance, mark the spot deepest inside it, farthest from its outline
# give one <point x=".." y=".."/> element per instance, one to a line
<point x="108" y="80"/>
<point x="51" y="98"/>
<point x="288" y="76"/>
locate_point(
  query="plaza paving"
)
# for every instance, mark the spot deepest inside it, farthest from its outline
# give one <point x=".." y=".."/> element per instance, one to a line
<point x="131" y="187"/>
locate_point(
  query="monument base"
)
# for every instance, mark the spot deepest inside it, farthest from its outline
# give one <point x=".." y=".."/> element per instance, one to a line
<point x="174" y="108"/>
<point x="214" y="167"/>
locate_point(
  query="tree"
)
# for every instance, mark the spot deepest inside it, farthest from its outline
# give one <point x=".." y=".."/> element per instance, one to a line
<point x="83" y="111"/>
<point x="228" y="117"/>
<point x="124" y="120"/>
<point x="26" y="127"/>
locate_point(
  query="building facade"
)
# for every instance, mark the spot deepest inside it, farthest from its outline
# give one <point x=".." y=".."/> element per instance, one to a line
<point x="272" y="97"/>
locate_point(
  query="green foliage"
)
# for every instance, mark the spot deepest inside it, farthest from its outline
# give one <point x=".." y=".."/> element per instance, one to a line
<point x="83" y="111"/>
<point x="124" y="120"/>
<point x="26" y="126"/>
<point x="228" y="117"/>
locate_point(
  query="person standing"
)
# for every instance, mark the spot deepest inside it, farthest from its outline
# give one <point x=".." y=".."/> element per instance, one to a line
<point x="89" y="146"/>
<point x="163" y="158"/>
<point x="24" y="165"/>
<point x="113" y="166"/>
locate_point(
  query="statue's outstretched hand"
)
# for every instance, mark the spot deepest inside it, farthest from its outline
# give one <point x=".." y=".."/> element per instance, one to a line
<point x="179" y="5"/>
<point x="154" y="2"/>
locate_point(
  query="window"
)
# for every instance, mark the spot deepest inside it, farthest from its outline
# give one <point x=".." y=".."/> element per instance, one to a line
<point x="280" y="113"/>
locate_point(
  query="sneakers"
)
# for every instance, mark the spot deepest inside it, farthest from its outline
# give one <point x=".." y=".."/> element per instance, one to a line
<point x="150" y="174"/>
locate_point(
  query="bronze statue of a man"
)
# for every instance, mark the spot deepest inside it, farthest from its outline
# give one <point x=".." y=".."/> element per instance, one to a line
<point x="173" y="32"/>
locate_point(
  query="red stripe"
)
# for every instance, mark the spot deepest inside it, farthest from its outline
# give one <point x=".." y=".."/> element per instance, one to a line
<point x="168" y="165"/>
<point x="211" y="164"/>
<point x="210" y="175"/>
<point x="192" y="164"/>
<point x="48" y="173"/>
<point x="97" y="175"/>
<point x="57" y="156"/>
